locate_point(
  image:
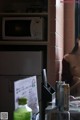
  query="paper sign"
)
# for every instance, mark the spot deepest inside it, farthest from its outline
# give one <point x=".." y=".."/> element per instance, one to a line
<point x="27" y="88"/>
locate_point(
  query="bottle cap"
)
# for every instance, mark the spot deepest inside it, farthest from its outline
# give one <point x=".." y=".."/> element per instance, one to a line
<point x="22" y="101"/>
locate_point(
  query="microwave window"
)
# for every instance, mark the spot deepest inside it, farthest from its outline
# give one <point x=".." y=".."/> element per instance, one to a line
<point x="17" y="28"/>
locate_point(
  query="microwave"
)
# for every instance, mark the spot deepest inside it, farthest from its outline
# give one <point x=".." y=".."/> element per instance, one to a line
<point x="23" y="28"/>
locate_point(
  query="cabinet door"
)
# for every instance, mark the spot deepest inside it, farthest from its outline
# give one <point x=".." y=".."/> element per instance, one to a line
<point x="21" y="63"/>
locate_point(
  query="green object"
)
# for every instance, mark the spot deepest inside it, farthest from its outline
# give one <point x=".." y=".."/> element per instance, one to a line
<point x="23" y="112"/>
<point x="22" y="101"/>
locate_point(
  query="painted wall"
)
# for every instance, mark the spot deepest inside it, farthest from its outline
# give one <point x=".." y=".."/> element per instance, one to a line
<point x="69" y="27"/>
<point x="59" y="40"/>
<point x="65" y="33"/>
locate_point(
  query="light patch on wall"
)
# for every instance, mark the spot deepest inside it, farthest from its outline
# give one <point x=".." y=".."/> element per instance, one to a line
<point x="57" y="3"/>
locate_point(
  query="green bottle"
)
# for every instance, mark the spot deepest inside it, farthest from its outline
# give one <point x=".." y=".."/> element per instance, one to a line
<point x="23" y="112"/>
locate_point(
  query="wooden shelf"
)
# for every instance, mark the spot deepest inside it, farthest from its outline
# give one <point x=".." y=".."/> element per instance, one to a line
<point x="24" y="14"/>
<point x="4" y="42"/>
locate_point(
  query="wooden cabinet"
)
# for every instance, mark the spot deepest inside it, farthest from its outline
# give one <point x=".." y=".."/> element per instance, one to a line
<point x="29" y="8"/>
<point x="45" y="47"/>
